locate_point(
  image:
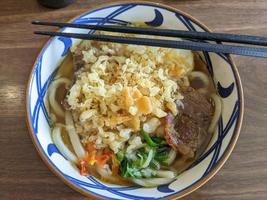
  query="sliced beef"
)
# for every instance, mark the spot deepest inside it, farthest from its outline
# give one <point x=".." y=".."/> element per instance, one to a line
<point x="197" y="107"/>
<point x="188" y="131"/>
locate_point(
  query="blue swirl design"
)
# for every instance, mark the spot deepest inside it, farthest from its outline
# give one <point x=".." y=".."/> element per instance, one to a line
<point x="41" y="93"/>
<point x="157" y="21"/>
<point x="119" y="192"/>
<point x="79" y="182"/>
<point x="51" y="148"/>
<point x="67" y="44"/>
<point x="100" y="20"/>
<point x="117" y="12"/>
<point x="165" y="188"/>
<point x="225" y="92"/>
<point x="37" y="107"/>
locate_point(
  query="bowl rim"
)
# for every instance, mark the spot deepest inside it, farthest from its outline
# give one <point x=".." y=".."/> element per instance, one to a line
<point x="195" y="185"/>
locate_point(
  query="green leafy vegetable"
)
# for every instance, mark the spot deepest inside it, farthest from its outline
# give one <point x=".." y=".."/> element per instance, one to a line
<point x="120" y="155"/>
<point x="162" y="154"/>
<point x="159" y="140"/>
<point x="123" y="168"/>
<point x="137" y="166"/>
<point x="140" y="160"/>
<point x="148" y="139"/>
<point x="153" y="141"/>
<point x="149" y="158"/>
<point x="128" y="170"/>
<point x="154" y="164"/>
<point x="146" y="161"/>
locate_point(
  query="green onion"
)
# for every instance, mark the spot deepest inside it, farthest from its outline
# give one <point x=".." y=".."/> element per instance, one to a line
<point x="162" y="154"/>
<point x="171" y="158"/>
<point x="139" y="161"/>
<point x="162" y="158"/>
<point x="159" y="140"/>
<point x="123" y="168"/>
<point x="149" y="158"/>
<point x="148" y="139"/>
<point x="133" y="172"/>
<point x="120" y="156"/>
<point x="154" y="165"/>
<point x="143" y="150"/>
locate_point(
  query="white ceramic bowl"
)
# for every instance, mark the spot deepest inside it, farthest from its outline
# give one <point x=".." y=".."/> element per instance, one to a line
<point x="220" y="66"/>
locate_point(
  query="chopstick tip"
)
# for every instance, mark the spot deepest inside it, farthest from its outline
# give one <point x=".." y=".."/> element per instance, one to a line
<point x="36" y="21"/>
<point x="49" y="33"/>
<point x="40" y="32"/>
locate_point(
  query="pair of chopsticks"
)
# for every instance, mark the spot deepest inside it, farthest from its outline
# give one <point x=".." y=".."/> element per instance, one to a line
<point x="199" y="43"/>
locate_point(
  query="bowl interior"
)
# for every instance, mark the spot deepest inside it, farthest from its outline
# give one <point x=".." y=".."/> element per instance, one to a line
<point x="220" y="67"/>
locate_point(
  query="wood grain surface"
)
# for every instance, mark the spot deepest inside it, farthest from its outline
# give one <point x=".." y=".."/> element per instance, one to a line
<point x="22" y="173"/>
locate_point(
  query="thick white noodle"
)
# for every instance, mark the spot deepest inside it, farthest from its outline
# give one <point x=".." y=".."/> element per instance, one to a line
<point x="151" y="182"/>
<point x="104" y="171"/>
<point x="202" y="76"/>
<point x="149" y="158"/>
<point x="171" y="158"/>
<point x="57" y="139"/>
<point x="53" y="117"/>
<point x="217" y="112"/>
<point x="74" y="138"/>
<point x="52" y="95"/>
<point x="60" y="125"/>
<point x="46" y="101"/>
<point x="165" y="174"/>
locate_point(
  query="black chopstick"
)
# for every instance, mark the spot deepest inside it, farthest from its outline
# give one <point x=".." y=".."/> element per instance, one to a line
<point x="219" y="37"/>
<point x="195" y="46"/>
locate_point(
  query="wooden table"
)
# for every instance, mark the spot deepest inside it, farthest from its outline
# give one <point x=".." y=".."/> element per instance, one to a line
<point x="22" y="173"/>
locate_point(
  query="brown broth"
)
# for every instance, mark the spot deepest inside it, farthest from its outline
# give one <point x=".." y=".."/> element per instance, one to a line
<point x="66" y="67"/>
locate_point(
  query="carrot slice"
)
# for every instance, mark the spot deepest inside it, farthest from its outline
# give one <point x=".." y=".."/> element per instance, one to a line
<point x="102" y="160"/>
<point x="83" y="167"/>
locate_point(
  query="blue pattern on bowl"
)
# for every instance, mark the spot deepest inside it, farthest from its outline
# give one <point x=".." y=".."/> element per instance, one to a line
<point x="157" y="21"/>
<point x="39" y="114"/>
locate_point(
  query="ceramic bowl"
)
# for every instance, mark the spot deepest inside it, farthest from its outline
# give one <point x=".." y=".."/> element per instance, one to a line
<point x="220" y="67"/>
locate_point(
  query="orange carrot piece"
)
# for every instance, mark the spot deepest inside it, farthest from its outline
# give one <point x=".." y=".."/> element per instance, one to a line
<point x="83" y="167"/>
